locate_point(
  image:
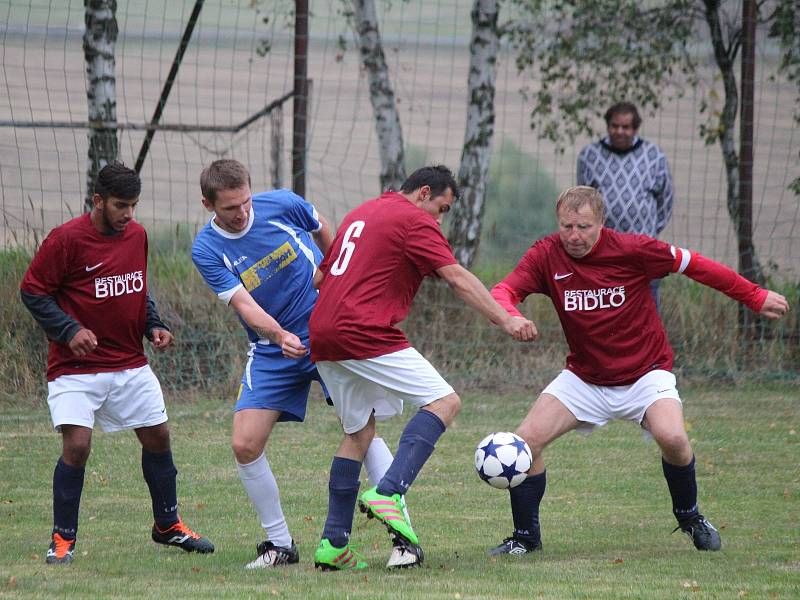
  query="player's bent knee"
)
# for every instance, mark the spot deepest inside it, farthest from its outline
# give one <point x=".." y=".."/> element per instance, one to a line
<point x="454" y="403"/>
<point x="77" y="455"/>
<point x="246" y="451"/>
<point x="534" y="439"/>
<point x="446" y="408"/>
<point x="360" y="440"/>
<point x="674" y="443"/>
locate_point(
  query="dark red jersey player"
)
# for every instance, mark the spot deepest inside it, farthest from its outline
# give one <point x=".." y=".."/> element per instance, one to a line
<point x="87" y="288"/>
<point x="619" y="365"/>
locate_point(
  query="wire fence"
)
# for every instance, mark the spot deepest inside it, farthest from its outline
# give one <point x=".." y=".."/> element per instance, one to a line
<point x="240" y="59"/>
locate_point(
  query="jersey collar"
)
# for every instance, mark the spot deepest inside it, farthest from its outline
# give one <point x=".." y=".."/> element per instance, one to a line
<point x="235" y="236"/>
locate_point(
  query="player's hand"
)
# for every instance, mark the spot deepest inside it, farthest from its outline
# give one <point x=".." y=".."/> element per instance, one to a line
<point x="83" y="342"/>
<point x="521" y="329"/>
<point x="162" y="339"/>
<point x="775" y="306"/>
<point x="291" y="346"/>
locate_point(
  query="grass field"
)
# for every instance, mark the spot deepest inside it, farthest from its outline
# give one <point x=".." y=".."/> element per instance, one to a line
<point x="606" y="515"/>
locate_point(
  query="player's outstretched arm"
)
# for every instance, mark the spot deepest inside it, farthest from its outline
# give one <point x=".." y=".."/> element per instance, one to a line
<point x="265" y="326"/>
<point x="469" y="288"/>
<point x="775" y="306"/>
<point x="718" y="276"/>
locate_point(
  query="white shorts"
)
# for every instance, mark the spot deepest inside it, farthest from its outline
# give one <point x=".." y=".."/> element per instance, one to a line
<point x="595" y="405"/>
<point x="380" y="385"/>
<point x="119" y="400"/>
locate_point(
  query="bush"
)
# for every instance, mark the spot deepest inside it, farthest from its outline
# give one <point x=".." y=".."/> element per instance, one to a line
<point x="211" y="348"/>
<point x="520" y="207"/>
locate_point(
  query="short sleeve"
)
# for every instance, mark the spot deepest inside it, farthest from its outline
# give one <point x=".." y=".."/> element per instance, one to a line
<point x="216" y="272"/>
<point x="303" y="213"/>
<point x="48" y="267"/>
<point x="656" y="257"/>
<point x="426" y="246"/>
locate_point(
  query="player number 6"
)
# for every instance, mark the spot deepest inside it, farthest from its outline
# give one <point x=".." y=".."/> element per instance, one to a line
<point x="348" y="246"/>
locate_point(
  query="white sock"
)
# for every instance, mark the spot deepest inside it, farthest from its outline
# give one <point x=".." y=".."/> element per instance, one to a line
<point x="262" y="489"/>
<point x="377" y="462"/>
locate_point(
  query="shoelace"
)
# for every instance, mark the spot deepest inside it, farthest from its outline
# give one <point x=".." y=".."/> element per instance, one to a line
<point x="699" y="524"/>
<point x="184" y="529"/>
<point x="275" y="556"/>
<point x="62" y="545"/>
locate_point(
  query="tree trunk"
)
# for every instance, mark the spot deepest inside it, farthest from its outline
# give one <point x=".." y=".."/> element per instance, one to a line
<point x="98" y="51"/>
<point x="387" y="120"/>
<point x="465" y="223"/>
<point x="276" y="147"/>
<point x="725" y="61"/>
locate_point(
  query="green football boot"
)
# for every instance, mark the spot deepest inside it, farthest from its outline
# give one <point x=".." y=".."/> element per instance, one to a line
<point x="390" y="511"/>
<point x="330" y="558"/>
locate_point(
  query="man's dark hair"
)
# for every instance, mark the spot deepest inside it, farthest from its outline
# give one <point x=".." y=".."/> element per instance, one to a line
<point x="624" y="108"/>
<point x="223" y="174"/>
<point x="437" y="177"/>
<point x="115" y="179"/>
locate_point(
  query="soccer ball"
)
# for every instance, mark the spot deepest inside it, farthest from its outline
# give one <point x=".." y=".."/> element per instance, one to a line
<point x="503" y="460"/>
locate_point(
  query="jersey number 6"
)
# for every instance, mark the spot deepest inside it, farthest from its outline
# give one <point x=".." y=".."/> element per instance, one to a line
<point x="348" y="246"/>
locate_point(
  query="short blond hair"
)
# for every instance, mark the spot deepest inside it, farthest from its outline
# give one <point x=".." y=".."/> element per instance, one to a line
<point x="578" y="196"/>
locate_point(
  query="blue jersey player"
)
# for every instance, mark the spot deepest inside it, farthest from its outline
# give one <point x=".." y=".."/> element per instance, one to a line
<point x="258" y="254"/>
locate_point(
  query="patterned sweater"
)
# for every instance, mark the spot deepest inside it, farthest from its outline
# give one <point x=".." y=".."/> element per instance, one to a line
<point x="636" y="184"/>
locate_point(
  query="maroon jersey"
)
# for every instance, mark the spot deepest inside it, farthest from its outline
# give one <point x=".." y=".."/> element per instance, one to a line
<point x="382" y="251"/>
<point x="604" y="302"/>
<point x="101" y="282"/>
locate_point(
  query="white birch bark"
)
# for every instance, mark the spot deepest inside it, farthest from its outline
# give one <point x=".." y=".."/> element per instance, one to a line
<point x="384" y="107"/>
<point x="727" y="121"/>
<point x="99" y="41"/>
<point x="465" y="223"/>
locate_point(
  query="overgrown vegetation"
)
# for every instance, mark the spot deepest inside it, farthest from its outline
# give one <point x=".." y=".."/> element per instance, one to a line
<point x="519" y="206"/>
<point x="211" y="347"/>
<point x="520" y="196"/>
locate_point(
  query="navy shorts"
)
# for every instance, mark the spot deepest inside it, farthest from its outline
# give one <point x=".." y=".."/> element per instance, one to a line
<point x="272" y="381"/>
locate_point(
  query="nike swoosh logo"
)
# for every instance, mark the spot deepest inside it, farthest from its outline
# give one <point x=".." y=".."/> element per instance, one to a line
<point x="558" y="276"/>
<point x="88" y="268"/>
<point x="662" y="391"/>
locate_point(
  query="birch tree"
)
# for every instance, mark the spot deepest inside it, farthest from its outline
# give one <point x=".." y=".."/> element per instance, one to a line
<point x="99" y="41"/>
<point x="726" y="45"/>
<point x="785" y="29"/>
<point x="381" y="95"/>
<point x="582" y="50"/>
<point x="465" y="223"/>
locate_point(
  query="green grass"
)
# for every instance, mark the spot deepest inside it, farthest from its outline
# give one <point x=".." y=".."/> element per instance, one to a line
<point x="606" y="515"/>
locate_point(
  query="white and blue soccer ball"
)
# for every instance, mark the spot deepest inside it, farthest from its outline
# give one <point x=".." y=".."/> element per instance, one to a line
<point x="503" y="459"/>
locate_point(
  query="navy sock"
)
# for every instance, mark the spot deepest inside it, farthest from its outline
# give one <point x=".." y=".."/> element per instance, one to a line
<point x="342" y="494"/>
<point x="160" y="473"/>
<point x="683" y="489"/>
<point x="415" y="447"/>
<point x="525" y="500"/>
<point x="67" y="488"/>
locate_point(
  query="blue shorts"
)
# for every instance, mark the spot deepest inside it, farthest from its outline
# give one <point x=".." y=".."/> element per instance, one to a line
<point x="272" y="381"/>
